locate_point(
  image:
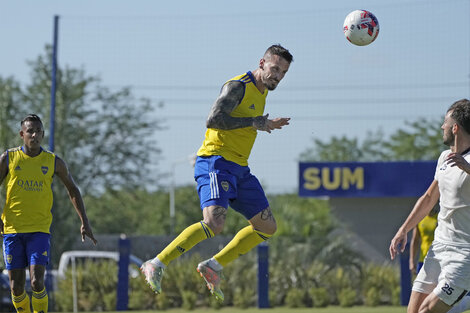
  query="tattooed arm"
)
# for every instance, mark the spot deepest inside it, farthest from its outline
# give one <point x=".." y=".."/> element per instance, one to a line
<point x="231" y="95"/>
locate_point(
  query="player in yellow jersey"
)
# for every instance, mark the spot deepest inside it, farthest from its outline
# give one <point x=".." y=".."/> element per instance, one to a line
<point x="222" y="173"/>
<point x="28" y="172"/>
<point x="423" y="235"/>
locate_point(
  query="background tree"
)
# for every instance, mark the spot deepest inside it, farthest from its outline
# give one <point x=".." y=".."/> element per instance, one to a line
<point x="418" y="140"/>
<point x="10" y="116"/>
<point x="344" y="149"/>
<point x="106" y="137"/>
<point x="143" y="212"/>
<point x="10" y="113"/>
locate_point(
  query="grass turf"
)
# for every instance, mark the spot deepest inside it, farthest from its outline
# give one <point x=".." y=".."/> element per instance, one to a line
<point x="329" y="309"/>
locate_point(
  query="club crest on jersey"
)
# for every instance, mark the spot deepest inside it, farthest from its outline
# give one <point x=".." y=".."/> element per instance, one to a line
<point x="44" y="169"/>
<point x="9" y="258"/>
<point x="224" y="185"/>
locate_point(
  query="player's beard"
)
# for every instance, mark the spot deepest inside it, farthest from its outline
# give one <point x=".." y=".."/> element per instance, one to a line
<point x="270" y="84"/>
<point x="448" y="138"/>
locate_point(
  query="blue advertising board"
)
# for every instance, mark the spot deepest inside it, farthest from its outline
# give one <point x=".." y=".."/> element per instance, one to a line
<point x="365" y="179"/>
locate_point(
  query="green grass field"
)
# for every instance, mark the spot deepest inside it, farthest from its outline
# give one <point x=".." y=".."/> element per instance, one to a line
<point x="331" y="309"/>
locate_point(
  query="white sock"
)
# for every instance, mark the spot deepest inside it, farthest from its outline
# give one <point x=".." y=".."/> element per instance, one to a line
<point x="462" y="306"/>
<point x="157" y="262"/>
<point x="215" y="265"/>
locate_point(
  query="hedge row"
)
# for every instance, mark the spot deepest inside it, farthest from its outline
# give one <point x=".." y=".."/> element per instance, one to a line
<point x="292" y="283"/>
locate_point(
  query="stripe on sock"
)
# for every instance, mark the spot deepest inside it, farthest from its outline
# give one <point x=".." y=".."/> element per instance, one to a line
<point x="206" y="229"/>
<point x="262" y="235"/>
<point x="40" y="294"/>
<point x="19" y="298"/>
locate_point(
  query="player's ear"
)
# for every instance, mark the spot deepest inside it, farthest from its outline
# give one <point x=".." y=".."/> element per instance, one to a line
<point x="261" y="63"/>
<point x="455" y="128"/>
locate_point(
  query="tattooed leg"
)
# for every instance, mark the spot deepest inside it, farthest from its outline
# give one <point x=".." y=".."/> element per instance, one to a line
<point x="214" y="217"/>
<point x="264" y="221"/>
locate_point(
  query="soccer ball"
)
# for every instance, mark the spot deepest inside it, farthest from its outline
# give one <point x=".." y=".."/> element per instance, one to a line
<point x="361" y="27"/>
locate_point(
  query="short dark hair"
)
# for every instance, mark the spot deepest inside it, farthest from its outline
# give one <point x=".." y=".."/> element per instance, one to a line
<point x="461" y="113"/>
<point x="280" y="51"/>
<point x="31" y="118"/>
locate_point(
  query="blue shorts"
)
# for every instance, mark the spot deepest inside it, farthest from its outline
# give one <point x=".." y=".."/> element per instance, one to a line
<point x="224" y="183"/>
<point x="23" y="249"/>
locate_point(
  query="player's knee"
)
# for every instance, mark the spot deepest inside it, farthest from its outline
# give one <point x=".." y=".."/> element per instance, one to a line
<point x="267" y="227"/>
<point x="17" y="289"/>
<point x="37" y="284"/>
<point x="214" y="217"/>
<point x="215" y="226"/>
<point x="271" y="228"/>
<point x="433" y="307"/>
<point x="274" y="228"/>
<point x="424" y="309"/>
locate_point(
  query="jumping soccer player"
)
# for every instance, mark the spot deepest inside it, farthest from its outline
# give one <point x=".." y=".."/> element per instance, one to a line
<point x="223" y="176"/>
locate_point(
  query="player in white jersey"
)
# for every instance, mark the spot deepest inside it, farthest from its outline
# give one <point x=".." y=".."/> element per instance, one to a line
<point x="445" y="276"/>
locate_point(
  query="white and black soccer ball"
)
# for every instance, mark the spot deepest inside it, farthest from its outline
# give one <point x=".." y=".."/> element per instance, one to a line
<point x="361" y="27"/>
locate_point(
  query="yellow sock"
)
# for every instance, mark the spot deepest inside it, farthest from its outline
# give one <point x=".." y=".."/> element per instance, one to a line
<point x="185" y="241"/>
<point x="21" y="303"/>
<point x="245" y="240"/>
<point x="40" y="301"/>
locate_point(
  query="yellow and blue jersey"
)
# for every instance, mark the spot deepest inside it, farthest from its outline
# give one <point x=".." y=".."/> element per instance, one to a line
<point x="235" y="144"/>
<point x="28" y="192"/>
<point x="426" y="230"/>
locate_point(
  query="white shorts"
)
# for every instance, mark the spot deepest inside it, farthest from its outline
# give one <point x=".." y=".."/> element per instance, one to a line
<point x="446" y="272"/>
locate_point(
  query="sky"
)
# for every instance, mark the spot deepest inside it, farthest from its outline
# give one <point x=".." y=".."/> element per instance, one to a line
<point x="179" y="53"/>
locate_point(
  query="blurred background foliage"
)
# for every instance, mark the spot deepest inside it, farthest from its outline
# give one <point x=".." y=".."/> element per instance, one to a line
<point x="104" y="136"/>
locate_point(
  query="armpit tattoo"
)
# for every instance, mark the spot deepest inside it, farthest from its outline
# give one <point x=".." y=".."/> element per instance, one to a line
<point x="266" y="214"/>
<point x="219" y="117"/>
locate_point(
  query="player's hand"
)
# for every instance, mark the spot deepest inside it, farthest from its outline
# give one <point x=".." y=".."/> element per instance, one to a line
<point x="456" y="159"/>
<point x="398" y="244"/>
<point x="277" y="123"/>
<point x="412" y="267"/>
<point x="85" y="230"/>
<point x="265" y="124"/>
